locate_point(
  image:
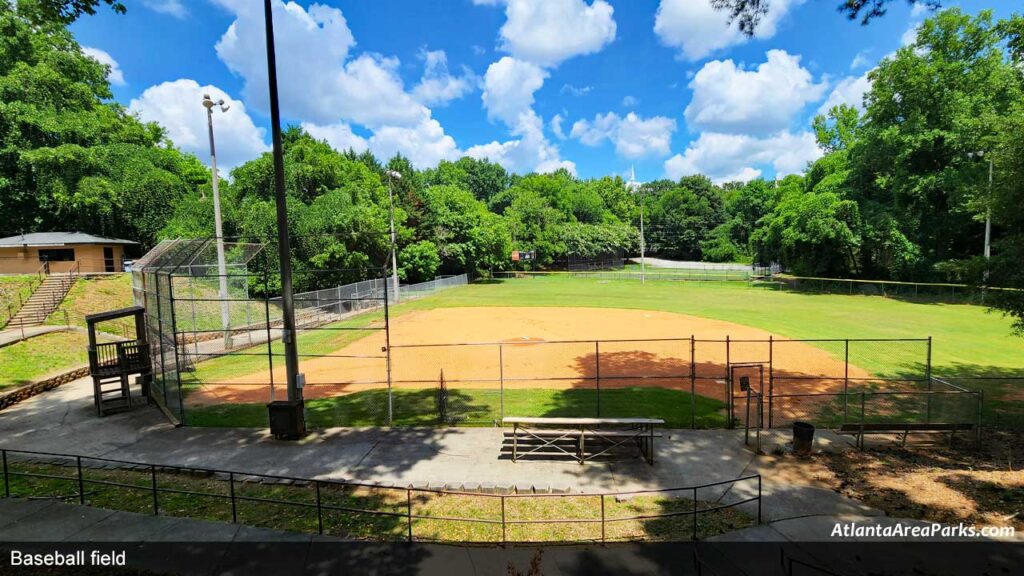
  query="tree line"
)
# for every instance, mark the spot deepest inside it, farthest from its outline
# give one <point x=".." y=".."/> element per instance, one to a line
<point x="901" y="192"/>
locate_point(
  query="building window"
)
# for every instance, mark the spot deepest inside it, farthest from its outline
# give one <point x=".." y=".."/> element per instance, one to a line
<point x="57" y="255"/>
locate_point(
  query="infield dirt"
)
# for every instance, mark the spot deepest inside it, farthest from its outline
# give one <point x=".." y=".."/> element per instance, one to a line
<point x="553" y="348"/>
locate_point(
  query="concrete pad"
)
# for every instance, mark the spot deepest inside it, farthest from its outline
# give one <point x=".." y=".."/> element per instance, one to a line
<point x="14" y="509"/>
<point x="253" y="534"/>
<point x="188" y="530"/>
<point x="783" y="502"/>
<point x="58" y="523"/>
<point x="762" y="533"/>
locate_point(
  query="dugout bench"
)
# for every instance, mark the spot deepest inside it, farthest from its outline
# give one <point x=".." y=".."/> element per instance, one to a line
<point x="606" y="435"/>
<point x="859" y="430"/>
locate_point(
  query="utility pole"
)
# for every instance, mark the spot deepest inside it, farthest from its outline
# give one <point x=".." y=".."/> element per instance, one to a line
<point x="988" y="212"/>
<point x="222" y="269"/>
<point x="634" y="186"/>
<point x="291" y="356"/>
<point x="394" y="259"/>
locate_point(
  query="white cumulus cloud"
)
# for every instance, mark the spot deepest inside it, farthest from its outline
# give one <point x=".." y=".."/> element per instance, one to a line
<point x="728" y="157"/>
<point x="114" y="75"/>
<point x="850" y="90"/>
<point x="316" y="79"/>
<point x="548" y="32"/>
<point x="528" y="151"/>
<point x="509" y="85"/>
<point x="438" y="86"/>
<point x="729" y="98"/>
<point x="177" y="106"/>
<point x="339" y="136"/>
<point x="174" y="8"/>
<point x="697" y="30"/>
<point x="634" y="136"/>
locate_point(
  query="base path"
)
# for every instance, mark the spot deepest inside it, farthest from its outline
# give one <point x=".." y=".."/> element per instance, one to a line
<point x="551" y="348"/>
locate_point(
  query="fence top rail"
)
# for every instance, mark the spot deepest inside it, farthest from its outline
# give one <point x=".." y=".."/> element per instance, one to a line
<point x="896" y="282"/>
<point x="678" y="339"/>
<point x="235" y="474"/>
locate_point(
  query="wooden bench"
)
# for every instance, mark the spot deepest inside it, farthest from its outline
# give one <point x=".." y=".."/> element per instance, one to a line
<point x="614" y="432"/>
<point x="860" y="430"/>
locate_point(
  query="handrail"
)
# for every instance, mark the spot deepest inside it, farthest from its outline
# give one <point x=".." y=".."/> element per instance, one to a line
<point x="235" y="476"/>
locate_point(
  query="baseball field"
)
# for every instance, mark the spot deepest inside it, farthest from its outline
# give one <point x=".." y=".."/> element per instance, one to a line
<point x="568" y="346"/>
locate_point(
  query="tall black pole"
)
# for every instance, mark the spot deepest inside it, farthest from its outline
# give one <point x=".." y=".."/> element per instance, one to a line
<point x="291" y="356"/>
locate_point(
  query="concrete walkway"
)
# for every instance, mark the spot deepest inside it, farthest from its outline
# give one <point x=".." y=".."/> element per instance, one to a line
<point x="12" y="335"/>
<point x="63" y="421"/>
<point x="167" y="545"/>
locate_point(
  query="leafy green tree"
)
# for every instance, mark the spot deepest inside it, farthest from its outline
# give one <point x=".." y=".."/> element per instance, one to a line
<point x="812" y="234"/>
<point x="419" y="261"/>
<point x="468" y="237"/>
<point x="929" y="106"/>
<point x="70" y="158"/>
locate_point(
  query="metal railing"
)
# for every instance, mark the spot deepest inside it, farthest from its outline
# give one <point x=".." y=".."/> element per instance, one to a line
<point x="318" y="510"/>
<point x="38" y="277"/>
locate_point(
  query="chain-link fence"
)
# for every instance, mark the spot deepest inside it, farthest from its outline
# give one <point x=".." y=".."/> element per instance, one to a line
<point x="216" y="333"/>
<point x="915" y="291"/>
<point x="218" y="360"/>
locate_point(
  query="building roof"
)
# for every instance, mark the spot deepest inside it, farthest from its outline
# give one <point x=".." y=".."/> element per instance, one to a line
<point x="57" y="239"/>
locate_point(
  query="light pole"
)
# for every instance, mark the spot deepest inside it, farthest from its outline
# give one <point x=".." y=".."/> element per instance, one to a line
<point x="222" y="272"/>
<point x="636" y="188"/>
<point x="393" y="174"/>
<point x="988" y="208"/>
<point x="295" y="425"/>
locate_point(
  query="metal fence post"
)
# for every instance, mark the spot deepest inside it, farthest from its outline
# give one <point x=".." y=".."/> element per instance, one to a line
<point x="846" y="380"/>
<point x="981" y="401"/>
<point x="81" y="481"/>
<point x="758" y="498"/>
<point x="771" y="378"/>
<point x="501" y="378"/>
<point x="7" y="477"/>
<point x="156" y="503"/>
<point x="504" y="533"/>
<point x="694" y="512"/>
<point x="603" y="536"/>
<point x="234" y="505"/>
<point x="928" y="375"/>
<point x="408" y="510"/>
<point x="862" y="396"/>
<point x="728" y="385"/>
<point x="597" y="366"/>
<point x="387" y="355"/>
<point x="693" y="382"/>
<point x="319" y="509"/>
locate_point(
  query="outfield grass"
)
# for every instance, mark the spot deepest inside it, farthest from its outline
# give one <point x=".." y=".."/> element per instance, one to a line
<point x="968" y="340"/>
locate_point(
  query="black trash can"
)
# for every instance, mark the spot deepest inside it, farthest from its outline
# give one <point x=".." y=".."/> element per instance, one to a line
<point x="803" y="438"/>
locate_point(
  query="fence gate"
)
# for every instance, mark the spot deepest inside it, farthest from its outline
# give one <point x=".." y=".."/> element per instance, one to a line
<point x="746" y="395"/>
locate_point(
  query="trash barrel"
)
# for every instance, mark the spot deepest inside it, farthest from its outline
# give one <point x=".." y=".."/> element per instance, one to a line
<point x="803" y="438"/>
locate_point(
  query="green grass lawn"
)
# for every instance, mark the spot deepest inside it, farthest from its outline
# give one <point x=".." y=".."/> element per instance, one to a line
<point x="90" y="295"/>
<point x="969" y="341"/>
<point x="364" y="513"/>
<point x="11" y="288"/>
<point x="29" y="360"/>
<point x="474" y="407"/>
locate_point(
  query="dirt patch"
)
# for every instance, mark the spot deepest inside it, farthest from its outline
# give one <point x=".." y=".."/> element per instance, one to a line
<point x="550" y="348"/>
<point x="980" y="484"/>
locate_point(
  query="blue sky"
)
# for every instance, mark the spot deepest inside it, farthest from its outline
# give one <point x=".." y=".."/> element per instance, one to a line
<point x="595" y="86"/>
